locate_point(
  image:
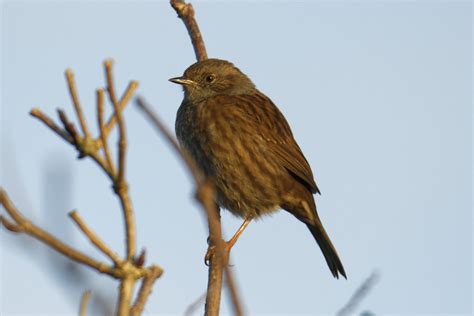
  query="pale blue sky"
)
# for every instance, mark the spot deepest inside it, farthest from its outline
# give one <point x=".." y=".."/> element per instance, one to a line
<point x="379" y="96"/>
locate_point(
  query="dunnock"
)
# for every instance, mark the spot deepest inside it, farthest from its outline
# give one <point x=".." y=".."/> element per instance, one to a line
<point x="240" y="138"/>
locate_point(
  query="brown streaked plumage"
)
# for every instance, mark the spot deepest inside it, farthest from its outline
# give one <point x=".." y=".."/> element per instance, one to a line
<point x="240" y="138"/>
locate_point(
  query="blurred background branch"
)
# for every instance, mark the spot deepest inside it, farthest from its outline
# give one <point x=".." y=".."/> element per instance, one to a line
<point x="359" y="295"/>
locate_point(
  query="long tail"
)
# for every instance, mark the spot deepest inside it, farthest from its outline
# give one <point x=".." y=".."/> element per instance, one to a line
<point x="300" y="202"/>
<point x="329" y="252"/>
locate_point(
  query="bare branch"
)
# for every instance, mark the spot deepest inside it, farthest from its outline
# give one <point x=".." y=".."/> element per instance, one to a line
<point x="195" y="305"/>
<point x="186" y="14"/>
<point x="120" y="185"/>
<point x="182" y="153"/>
<point x="103" y="135"/>
<point x="84" y="302"/>
<point x="234" y="295"/>
<point x="205" y="195"/>
<point x="361" y="292"/>
<point x="10" y="226"/>
<point x="31" y="229"/>
<point x="132" y="86"/>
<point x="125" y="296"/>
<point x="69" y="127"/>
<point x="130" y="269"/>
<point x="35" y="112"/>
<point x="75" y="100"/>
<point x="94" y="239"/>
<point x="154" y="272"/>
<point x="110" y="82"/>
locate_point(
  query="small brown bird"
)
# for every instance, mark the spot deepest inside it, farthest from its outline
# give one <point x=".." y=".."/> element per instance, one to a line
<point x="240" y="138"/>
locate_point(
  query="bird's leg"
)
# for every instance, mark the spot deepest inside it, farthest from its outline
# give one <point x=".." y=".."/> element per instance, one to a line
<point x="229" y="244"/>
<point x="237" y="234"/>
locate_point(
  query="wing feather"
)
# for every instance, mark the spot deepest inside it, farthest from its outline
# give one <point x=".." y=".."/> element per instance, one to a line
<point x="274" y="129"/>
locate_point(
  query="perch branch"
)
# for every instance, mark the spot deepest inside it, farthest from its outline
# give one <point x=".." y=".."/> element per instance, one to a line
<point x="185" y="12"/>
<point x="205" y="195"/>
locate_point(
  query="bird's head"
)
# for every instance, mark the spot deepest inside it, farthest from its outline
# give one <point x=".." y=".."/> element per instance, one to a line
<point x="213" y="77"/>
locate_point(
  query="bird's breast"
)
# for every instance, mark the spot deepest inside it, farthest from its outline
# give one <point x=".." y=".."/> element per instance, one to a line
<point x="234" y="154"/>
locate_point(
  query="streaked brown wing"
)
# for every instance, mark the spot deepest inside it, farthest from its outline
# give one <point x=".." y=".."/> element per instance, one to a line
<point x="291" y="157"/>
<point x="273" y="127"/>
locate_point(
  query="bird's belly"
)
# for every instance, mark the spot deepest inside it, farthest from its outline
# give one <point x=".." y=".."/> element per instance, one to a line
<point x="246" y="183"/>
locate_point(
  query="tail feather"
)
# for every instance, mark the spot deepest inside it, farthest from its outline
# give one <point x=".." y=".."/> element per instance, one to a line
<point x="299" y="202"/>
<point x="329" y="252"/>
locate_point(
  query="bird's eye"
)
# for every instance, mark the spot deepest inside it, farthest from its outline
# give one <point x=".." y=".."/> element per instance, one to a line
<point x="210" y="78"/>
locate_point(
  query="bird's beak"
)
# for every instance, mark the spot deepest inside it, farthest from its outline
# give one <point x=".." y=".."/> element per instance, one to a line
<point x="183" y="81"/>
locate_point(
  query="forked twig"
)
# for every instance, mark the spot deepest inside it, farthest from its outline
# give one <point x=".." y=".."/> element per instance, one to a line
<point x="129" y="269"/>
<point x="154" y="272"/>
<point x="22" y="225"/>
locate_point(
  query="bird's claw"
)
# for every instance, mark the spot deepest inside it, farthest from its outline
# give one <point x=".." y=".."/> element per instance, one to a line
<point x="209" y="254"/>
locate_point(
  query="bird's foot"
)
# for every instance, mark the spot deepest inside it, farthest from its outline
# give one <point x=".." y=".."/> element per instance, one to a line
<point x="212" y="251"/>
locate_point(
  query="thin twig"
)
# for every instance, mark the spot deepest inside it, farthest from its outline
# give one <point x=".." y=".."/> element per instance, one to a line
<point x="110" y="82"/>
<point x="126" y="96"/>
<point x="122" y="145"/>
<point x="195" y="305"/>
<point x="196" y="172"/>
<point x="120" y="185"/>
<point x="186" y="14"/>
<point x="31" y="229"/>
<point x="128" y="282"/>
<point x="130" y="269"/>
<point x="35" y="112"/>
<point x="154" y="272"/>
<point x="234" y="294"/>
<point x="75" y="100"/>
<point x="94" y="239"/>
<point x="69" y="127"/>
<point x="103" y="136"/>
<point x="84" y="302"/>
<point x="359" y="294"/>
